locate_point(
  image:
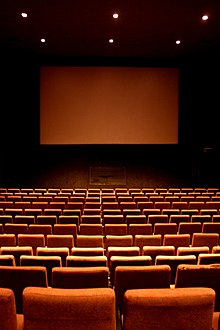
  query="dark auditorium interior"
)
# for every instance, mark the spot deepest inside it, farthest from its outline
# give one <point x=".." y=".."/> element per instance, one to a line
<point x="77" y="34"/>
<point x="110" y="121"/>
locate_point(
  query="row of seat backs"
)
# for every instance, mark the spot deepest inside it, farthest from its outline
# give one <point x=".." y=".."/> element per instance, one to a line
<point x="47" y="308"/>
<point x="116" y="257"/>
<point x="126" y="277"/>
<point x="105" y="190"/>
<point x="38" y="215"/>
<point x="50" y="201"/>
<point x="75" y="309"/>
<point x="158" y="227"/>
<point x="109" y="240"/>
<point x="67" y="241"/>
<point x="108" y="216"/>
<point x="28" y="201"/>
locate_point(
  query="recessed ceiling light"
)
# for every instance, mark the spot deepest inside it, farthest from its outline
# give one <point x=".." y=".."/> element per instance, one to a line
<point x="43" y="40"/>
<point x="205" y="17"/>
<point x="177" y="42"/>
<point x="24" y="15"/>
<point x="115" y="15"/>
<point x="111" y="41"/>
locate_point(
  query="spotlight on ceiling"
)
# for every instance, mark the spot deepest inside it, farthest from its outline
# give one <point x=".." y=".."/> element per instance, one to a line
<point x="205" y="17"/>
<point x="115" y="15"/>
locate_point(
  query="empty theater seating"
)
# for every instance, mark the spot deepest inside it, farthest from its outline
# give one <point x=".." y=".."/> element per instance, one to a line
<point x="84" y="238"/>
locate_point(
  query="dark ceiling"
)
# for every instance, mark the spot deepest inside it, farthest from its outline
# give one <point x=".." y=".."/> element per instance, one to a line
<point x="145" y="29"/>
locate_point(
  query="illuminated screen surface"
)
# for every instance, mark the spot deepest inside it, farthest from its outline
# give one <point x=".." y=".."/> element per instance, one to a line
<point x="108" y="105"/>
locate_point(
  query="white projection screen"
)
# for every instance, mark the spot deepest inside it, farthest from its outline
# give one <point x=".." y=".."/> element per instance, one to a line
<point x="108" y="105"/>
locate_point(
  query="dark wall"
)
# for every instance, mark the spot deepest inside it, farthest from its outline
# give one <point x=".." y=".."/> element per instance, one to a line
<point x="193" y="162"/>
